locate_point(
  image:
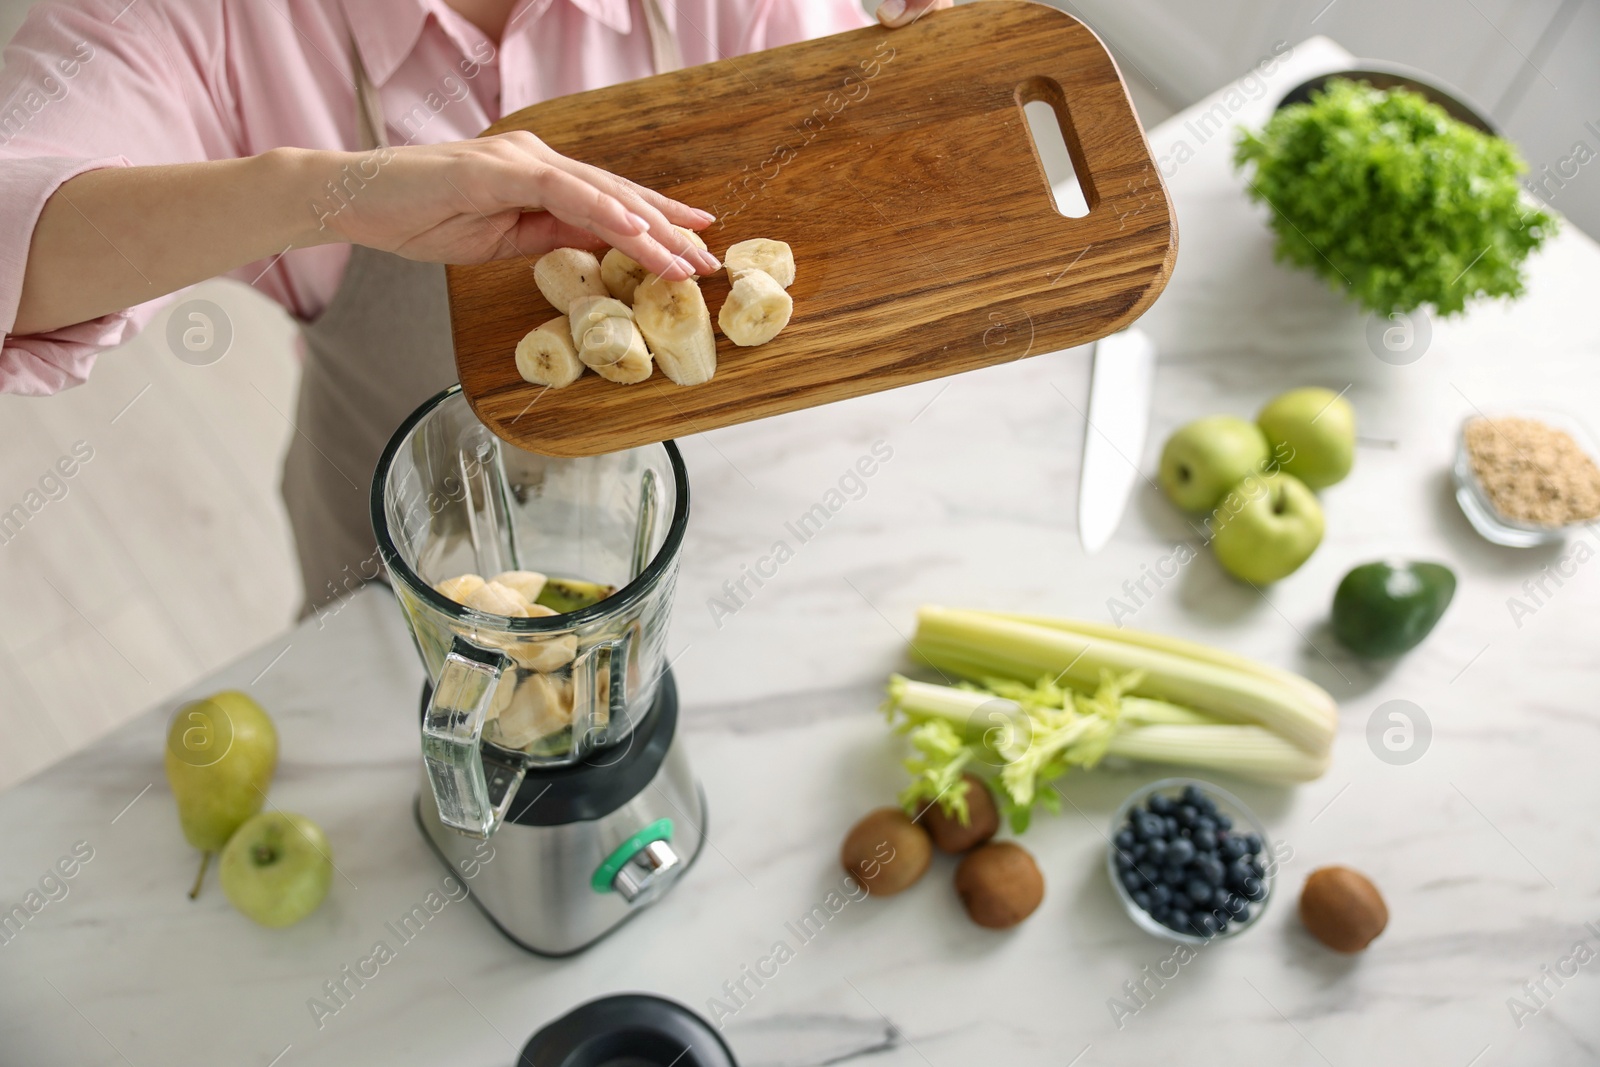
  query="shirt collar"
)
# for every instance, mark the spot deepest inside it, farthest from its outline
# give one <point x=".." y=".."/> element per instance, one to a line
<point x="386" y="31"/>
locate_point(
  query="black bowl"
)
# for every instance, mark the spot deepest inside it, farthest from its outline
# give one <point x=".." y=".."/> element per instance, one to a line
<point x="1382" y="76"/>
<point x="628" y="1030"/>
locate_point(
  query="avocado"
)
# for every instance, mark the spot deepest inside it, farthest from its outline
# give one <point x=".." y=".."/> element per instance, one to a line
<point x="1386" y="608"/>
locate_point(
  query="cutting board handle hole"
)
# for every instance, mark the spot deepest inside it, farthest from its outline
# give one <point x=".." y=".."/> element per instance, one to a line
<point x="1055" y="145"/>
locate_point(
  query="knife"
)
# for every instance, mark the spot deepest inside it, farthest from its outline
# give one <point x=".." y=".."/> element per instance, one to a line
<point x="1113" y="440"/>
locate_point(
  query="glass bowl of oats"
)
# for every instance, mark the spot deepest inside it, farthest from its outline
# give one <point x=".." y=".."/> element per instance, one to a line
<point x="1527" y="478"/>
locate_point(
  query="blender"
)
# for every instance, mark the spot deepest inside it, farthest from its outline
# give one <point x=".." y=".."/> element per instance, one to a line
<point x="555" y="737"/>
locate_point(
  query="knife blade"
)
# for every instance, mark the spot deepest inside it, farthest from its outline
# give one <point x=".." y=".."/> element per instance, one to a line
<point x="1113" y="441"/>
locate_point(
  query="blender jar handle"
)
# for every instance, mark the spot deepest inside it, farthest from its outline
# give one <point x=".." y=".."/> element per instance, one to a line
<point x="599" y="689"/>
<point x="452" y="729"/>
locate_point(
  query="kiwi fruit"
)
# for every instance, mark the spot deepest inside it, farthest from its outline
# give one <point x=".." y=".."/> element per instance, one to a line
<point x="999" y="884"/>
<point x="886" y="852"/>
<point x="1342" y="909"/>
<point x="983" y="819"/>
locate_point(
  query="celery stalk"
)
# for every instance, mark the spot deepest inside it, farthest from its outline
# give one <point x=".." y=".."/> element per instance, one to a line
<point x="1178" y="647"/>
<point x="978" y="645"/>
<point x="1250" y="752"/>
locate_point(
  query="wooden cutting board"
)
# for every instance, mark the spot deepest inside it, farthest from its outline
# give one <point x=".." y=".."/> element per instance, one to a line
<point x="899" y="166"/>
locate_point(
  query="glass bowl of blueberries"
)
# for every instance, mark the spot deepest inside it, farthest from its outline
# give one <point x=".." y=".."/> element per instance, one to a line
<point x="1190" y="862"/>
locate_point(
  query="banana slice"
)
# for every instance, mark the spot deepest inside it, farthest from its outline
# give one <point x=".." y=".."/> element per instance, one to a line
<point x="460" y="587"/>
<point x="621" y="274"/>
<point x="529" y="583"/>
<point x="694" y="238"/>
<point x="543" y="654"/>
<point x="492" y="598"/>
<point x="547" y="356"/>
<point x="609" y="341"/>
<point x="540" y="707"/>
<point x="756" y="311"/>
<point x="677" y="324"/>
<point x="775" y="258"/>
<point x="589" y="310"/>
<point x="503" y="691"/>
<point x="568" y="274"/>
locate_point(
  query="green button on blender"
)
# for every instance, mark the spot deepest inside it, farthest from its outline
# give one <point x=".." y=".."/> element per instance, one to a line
<point x="606" y="873"/>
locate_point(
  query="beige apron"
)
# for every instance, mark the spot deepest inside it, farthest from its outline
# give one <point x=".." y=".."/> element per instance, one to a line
<point x="380" y="349"/>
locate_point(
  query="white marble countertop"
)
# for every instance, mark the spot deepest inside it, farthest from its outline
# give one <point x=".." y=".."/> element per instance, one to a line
<point x="1486" y="848"/>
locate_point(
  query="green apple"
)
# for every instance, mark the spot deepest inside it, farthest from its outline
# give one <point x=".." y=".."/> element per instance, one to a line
<point x="1266" y="527"/>
<point x="1203" y="460"/>
<point x="221" y="752"/>
<point x="1312" y="433"/>
<point x="277" y="868"/>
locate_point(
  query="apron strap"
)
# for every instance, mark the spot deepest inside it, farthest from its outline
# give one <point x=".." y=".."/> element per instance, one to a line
<point x="663" y="42"/>
<point x="370" y="127"/>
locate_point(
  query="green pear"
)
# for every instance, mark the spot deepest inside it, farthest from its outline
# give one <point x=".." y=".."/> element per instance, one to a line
<point x="1313" y="434"/>
<point x="1204" y="459"/>
<point x="277" y="868"/>
<point x="221" y="752"/>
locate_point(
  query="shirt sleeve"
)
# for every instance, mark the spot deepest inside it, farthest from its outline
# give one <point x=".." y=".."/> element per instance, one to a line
<point x="89" y="84"/>
<point x="781" y="22"/>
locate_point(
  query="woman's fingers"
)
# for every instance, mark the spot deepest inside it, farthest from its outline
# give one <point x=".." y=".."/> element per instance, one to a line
<point x="606" y="205"/>
<point x="580" y="203"/>
<point x="897" y="13"/>
<point x="663" y="224"/>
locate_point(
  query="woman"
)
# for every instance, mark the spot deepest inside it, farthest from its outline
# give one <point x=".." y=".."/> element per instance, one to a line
<point x="146" y="145"/>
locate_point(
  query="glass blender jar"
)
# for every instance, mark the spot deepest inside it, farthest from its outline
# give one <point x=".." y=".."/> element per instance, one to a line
<point x="514" y="694"/>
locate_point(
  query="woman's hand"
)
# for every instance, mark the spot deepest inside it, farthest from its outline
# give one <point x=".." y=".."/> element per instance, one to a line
<point x="495" y="198"/>
<point x="897" y="13"/>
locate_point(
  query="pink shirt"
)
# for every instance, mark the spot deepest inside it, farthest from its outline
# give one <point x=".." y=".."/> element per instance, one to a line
<point x="104" y="83"/>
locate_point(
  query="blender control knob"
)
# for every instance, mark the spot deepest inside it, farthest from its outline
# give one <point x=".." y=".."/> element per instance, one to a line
<point x="644" y="876"/>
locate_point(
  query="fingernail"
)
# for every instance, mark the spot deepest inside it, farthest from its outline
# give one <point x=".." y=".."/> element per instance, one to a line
<point x="687" y="267"/>
<point x="708" y="261"/>
<point x="703" y="216"/>
<point x="639" y="224"/>
<point x="890" y="10"/>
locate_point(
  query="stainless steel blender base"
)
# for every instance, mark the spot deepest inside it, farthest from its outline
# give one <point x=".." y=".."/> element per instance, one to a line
<point x="535" y="882"/>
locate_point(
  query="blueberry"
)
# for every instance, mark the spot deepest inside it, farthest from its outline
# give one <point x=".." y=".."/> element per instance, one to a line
<point x="1207" y="807"/>
<point x="1138" y="851"/>
<point x="1159" y="804"/>
<point x="1124" y="861"/>
<point x="1124" y="839"/>
<point x="1156" y="850"/>
<point x="1204" y="823"/>
<point x="1242" y="915"/>
<point x="1171" y="823"/>
<point x="1222" y="923"/>
<point x="1198" y="891"/>
<point x="1181" y="901"/>
<point x="1180" y="851"/>
<point x="1239" y="872"/>
<point x="1133" y="880"/>
<point x="1235" y="906"/>
<point x="1147" y="826"/>
<point x="1253" y="889"/>
<point x="1192" y="795"/>
<point x="1161" y="895"/>
<point x="1210" y="868"/>
<point x="1224" y="822"/>
<point x="1187" y="814"/>
<point x="1232" y="847"/>
<point x="1141" y="898"/>
<point x="1174" y="876"/>
<point x="1203" y="924"/>
<point x="1204" y="840"/>
<point x="1178" y="919"/>
<point x="1252" y="843"/>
